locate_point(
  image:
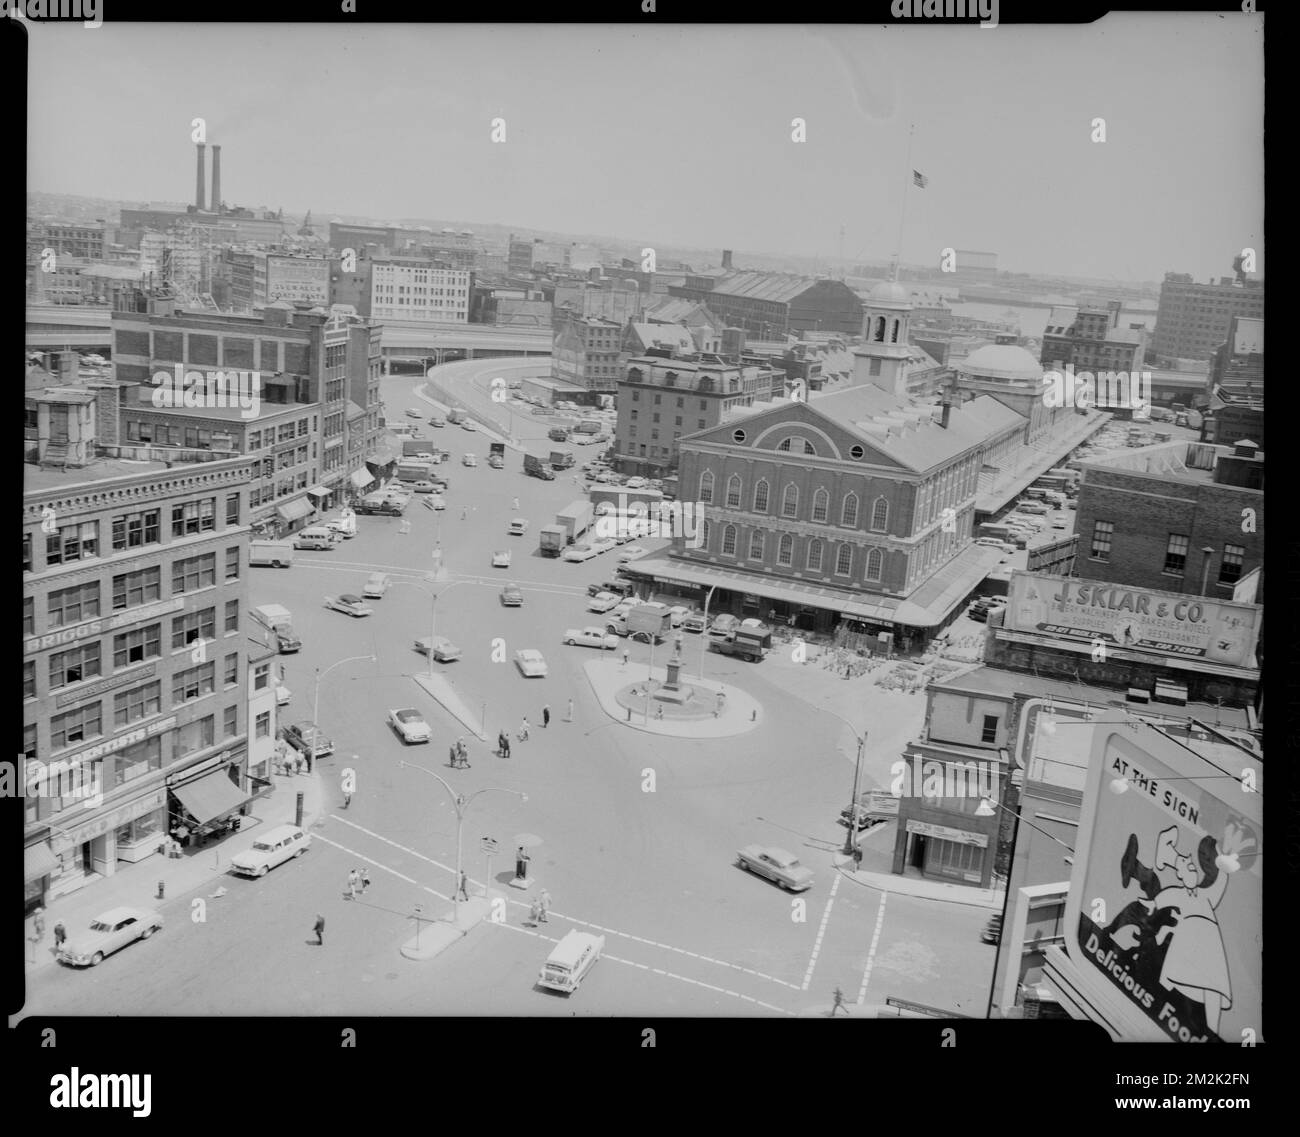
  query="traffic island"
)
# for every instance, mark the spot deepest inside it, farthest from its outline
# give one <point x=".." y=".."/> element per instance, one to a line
<point x="664" y="701"/>
<point x="446" y="696"/>
<point x="435" y="936"/>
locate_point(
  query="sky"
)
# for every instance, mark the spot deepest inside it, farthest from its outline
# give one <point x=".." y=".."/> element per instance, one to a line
<point x="682" y="136"/>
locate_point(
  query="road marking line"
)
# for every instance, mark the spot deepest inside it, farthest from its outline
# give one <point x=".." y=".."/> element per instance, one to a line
<point x="821" y="931"/>
<point x="871" y="953"/>
<point x="574" y="919"/>
<point x="351" y="567"/>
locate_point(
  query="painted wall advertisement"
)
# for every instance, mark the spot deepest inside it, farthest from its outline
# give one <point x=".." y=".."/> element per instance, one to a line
<point x="295" y="278"/>
<point x="1166" y="898"/>
<point x="1171" y="623"/>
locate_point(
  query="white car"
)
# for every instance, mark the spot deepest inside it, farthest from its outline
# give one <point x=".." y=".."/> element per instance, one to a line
<point x="631" y="552"/>
<point x="444" y="651"/>
<point x="677" y="613"/>
<point x="436" y="501"/>
<point x="591" y="637"/>
<point x="423" y="486"/>
<point x="410" y="725"/>
<point x="531" y="663"/>
<point x="636" y="483"/>
<point x="376" y="585"/>
<point x="501" y="558"/>
<point x="348" y="604"/>
<point x="469" y="424"/>
<point x="469" y="460"/>
<point x="604" y="544"/>
<point x="282" y="695"/>
<point x="411" y="412"/>
<point x="579" y="553"/>
<point x="604" y="601"/>
<point x="270" y="849"/>
<point x="109" y="932"/>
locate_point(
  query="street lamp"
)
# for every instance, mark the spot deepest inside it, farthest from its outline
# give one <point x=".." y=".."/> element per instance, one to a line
<point x="315" y="711"/>
<point x="704" y="632"/>
<point x="857" y="775"/>
<point x="439" y="575"/>
<point x="460" y="803"/>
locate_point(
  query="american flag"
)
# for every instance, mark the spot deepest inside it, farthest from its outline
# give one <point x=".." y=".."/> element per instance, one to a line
<point x="919" y="179"/>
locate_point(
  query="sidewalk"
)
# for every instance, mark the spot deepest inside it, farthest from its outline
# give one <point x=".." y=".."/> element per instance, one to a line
<point x="741" y="712"/>
<point x="877" y="860"/>
<point x="136" y="885"/>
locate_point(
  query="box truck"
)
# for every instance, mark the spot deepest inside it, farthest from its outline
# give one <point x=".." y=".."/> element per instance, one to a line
<point x="575" y="519"/>
<point x="278" y="554"/>
<point x="456" y="416"/>
<point x="551" y="540"/>
<point x="277" y="622"/>
<point x="534" y="467"/>
<point x="561" y="460"/>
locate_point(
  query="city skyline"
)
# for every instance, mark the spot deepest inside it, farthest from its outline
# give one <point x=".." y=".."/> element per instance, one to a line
<point x="707" y="160"/>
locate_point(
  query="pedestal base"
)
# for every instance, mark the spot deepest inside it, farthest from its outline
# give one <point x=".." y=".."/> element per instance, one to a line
<point x="521" y="882"/>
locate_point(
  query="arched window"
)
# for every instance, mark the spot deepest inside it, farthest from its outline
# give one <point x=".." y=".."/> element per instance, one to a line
<point x="814" y="556"/>
<point x="706" y="487"/>
<point x="875" y="559"/>
<point x="879" y="337"/>
<point x="894" y="335"/>
<point x="785" y="550"/>
<point x="821" y="503"/>
<point x="729" y="541"/>
<point x="849" y="511"/>
<point x="705" y="534"/>
<point x="809" y="448"/>
<point x="756" y="545"/>
<point x="880" y="514"/>
<point x="785" y="444"/>
<point x="790" y="501"/>
<point x="733" y="492"/>
<point x="844" y="560"/>
<point x="760" y="496"/>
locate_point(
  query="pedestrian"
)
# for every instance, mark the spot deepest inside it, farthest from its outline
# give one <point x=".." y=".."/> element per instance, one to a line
<point x="38" y="922"/>
<point x="521" y="863"/>
<point x="535" y="911"/>
<point x="451" y="755"/>
<point x="625" y="655"/>
<point x="516" y="505"/>
<point x="320" y="929"/>
<point x="60" y="934"/>
<point x="790" y="619"/>
<point x="659" y="712"/>
<point x="354" y="878"/>
<point x="569" y="714"/>
<point x="546" y="716"/>
<point x="463" y="890"/>
<point x="544" y="903"/>
<point x="523" y="730"/>
<point x="365" y="880"/>
<point x="463" y="751"/>
<point x="839" y="1003"/>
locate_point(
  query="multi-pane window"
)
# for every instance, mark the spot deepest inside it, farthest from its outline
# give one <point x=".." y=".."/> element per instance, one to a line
<point x="131" y="589"/>
<point x="76" y="725"/>
<point x="230" y="721"/>
<point x="232" y="509"/>
<point x="191" y="573"/>
<point x="193" y="683"/>
<point x="71" y="605"/>
<point x="232" y="563"/>
<point x="1176" y="553"/>
<point x="756" y="546"/>
<point x="733" y="492"/>
<point x="849" y="511"/>
<point x="133" y="530"/>
<point x="1230" y="568"/>
<point x="989" y="731"/>
<point x="784" y="444"/>
<point x="29" y="679"/>
<point x="729" y="540"/>
<point x="192" y="517"/>
<point x="706" y="535"/>
<point x="821" y="505"/>
<point x="785" y="550"/>
<point x="815" y="556"/>
<point x="137" y="760"/>
<point x="192" y="626"/>
<point x="706" y="487"/>
<point x="760" y="496"/>
<point x="29" y="615"/>
<point x="194" y="736"/>
<point x="232" y="616"/>
<point x="29" y="742"/>
<point x="27" y="552"/>
<point x="74" y="665"/>
<point x="879" y="514"/>
<point x="875" y="560"/>
<point x="809" y="448"/>
<point x="73" y="542"/>
<point x="261" y="676"/>
<point x="844" y="560"/>
<point x="262" y="727"/>
<point x="232" y="669"/>
<point x="790" y="501"/>
<point x="138" y="703"/>
<point x="1102" y="531"/>
<point x="137" y="645"/>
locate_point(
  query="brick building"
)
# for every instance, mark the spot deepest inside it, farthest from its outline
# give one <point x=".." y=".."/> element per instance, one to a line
<point x="771" y="305"/>
<point x="1193" y="320"/>
<point x="1089" y="338"/>
<point x="588" y="352"/>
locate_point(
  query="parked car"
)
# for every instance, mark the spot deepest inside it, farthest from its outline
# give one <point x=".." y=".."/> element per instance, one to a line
<point x="631" y="552"/>
<point x="512" y="596"/>
<point x="349" y="605"/>
<point x="636" y="483"/>
<point x="590" y="637"/>
<point x="272" y="848"/>
<point x="603" y="602"/>
<point x="501" y="558"/>
<point x="109" y="932"/>
<point x="776" y="865"/>
<point x="1024" y="506"/>
<point x="531" y="663"/>
<point x="409" y="725"/>
<point x="444" y="651"/>
<point x="694" y="622"/>
<point x="604" y="544"/>
<point x="1061" y="523"/>
<point x="282" y="695"/>
<point x="996" y="543"/>
<point x="299" y="735"/>
<point x="469" y="460"/>
<point x="436" y="501"/>
<point x="496" y="462"/>
<point x="437" y="420"/>
<point x="412" y="412"/>
<point x="469" y="424"/>
<point x="423" y="486"/>
<point x="578" y="553"/>
<point x="518" y="527"/>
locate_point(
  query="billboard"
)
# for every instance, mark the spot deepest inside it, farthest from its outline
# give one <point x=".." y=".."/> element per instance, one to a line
<point x="1165" y="898"/>
<point x="298" y="279"/>
<point x="1137" y="619"/>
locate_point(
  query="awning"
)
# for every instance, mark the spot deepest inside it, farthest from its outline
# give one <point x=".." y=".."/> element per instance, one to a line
<point x="210" y="796"/>
<point x="320" y="491"/>
<point x="38" y="861"/>
<point x="361" y="478"/>
<point x="292" y="510"/>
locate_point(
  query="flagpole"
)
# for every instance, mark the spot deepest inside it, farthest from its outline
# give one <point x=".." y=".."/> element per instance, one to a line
<point x="902" y="213"/>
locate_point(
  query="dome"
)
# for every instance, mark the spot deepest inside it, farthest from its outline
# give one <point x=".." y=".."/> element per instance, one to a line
<point x="1002" y="361"/>
<point x="890" y="292"/>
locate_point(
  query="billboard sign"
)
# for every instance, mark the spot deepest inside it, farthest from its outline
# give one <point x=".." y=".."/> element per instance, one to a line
<point x="298" y="279"/>
<point x="1166" y="895"/>
<point x="1168" y="623"/>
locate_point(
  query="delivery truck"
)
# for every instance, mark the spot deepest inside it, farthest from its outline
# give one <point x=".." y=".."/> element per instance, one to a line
<point x="551" y="540"/>
<point x="534" y="467"/>
<point x="744" y="643"/>
<point x="575" y="519"/>
<point x="277" y="554"/>
<point x="414" y="470"/>
<point x="276" y="623"/>
<point x="650" y="620"/>
<point x="456" y="416"/>
<point x="561" y="460"/>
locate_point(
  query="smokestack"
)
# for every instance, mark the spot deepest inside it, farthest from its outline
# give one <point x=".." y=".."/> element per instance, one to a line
<point x="199" y="179"/>
<point x="216" y="178"/>
<point x="943" y="419"/>
<point x="726" y="258"/>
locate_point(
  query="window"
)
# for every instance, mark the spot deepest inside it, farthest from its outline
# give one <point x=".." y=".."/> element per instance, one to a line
<point x="815" y="556"/>
<point x="29" y="618"/>
<point x="821" y="504"/>
<point x="137" y="645"/>
<point x="1102" y="531"/>
<point x="138" y="703"/>
<point x="729" y="540"/>
<point x="875" y="561"/>
<point x="193" y="683"/>
<point x="261" y="676"/>
<point x="1176" y="554"/>
<point x="193" y="517"/>
<point x="230" y="721"/>
<point x="785" y="550"/>
<point x="1230" y="568"/>
<point x="193" y="626"/>
<point x="733" y="492"/>
<point x="756" y="546"/>
<point x="193" y="573"/>
<point x="29" y="741"/>
<point x="29" y="679"/>
<point x="232" y="509"/>
<point x="844" y="560"/>
<point x="232" y="563"/>
<point x="76" y="725"/>
<point x="760" y="496"/>
<point x="132" y="530"/>
<point x="809" y="448"/>
<point x="71" y="605"/>
<point x="74" y="665"/>
<point x="194" y="736"/>
<point x="790" y="501"/>
<point x="262" y="725"/>
<point x="232" y="670"/>
<point x="138" y="759"/>
<point x="989" y="733"/>
<point x="27" y="552"/>
<point x="873" y="367"/>
<point x="785" y="444"/>
<point x="73" y="542"/>
<point x="879" y="514"/>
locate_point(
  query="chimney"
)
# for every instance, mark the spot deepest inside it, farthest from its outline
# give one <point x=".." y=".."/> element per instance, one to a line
<point x="726" y="258"/>
<point x="216" y="178"/>
<point x="199" y="179"/>
<point x="943" y="418"/>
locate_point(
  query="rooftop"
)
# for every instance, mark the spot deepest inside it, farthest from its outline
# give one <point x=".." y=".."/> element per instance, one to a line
<point x="37" y="479"/>
<point x="776" y="288"/>
<point x="1180" y="460"/>
<point x="1002" y="361"/>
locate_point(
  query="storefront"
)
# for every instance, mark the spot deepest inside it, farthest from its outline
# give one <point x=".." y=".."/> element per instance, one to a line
<point x="293" y="514"/>
<point x="322" y="497"/>
<point x="204" y="799"/>
<point x="84" y="853"/>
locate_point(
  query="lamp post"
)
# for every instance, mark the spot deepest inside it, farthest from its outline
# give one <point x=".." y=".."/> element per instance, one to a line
<point x="857" y="776"/>
<point x="315" y="709"/>
<point x="704" y="632"/>
<point x="438" y="576"/>
<point x="460" y="803"/>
